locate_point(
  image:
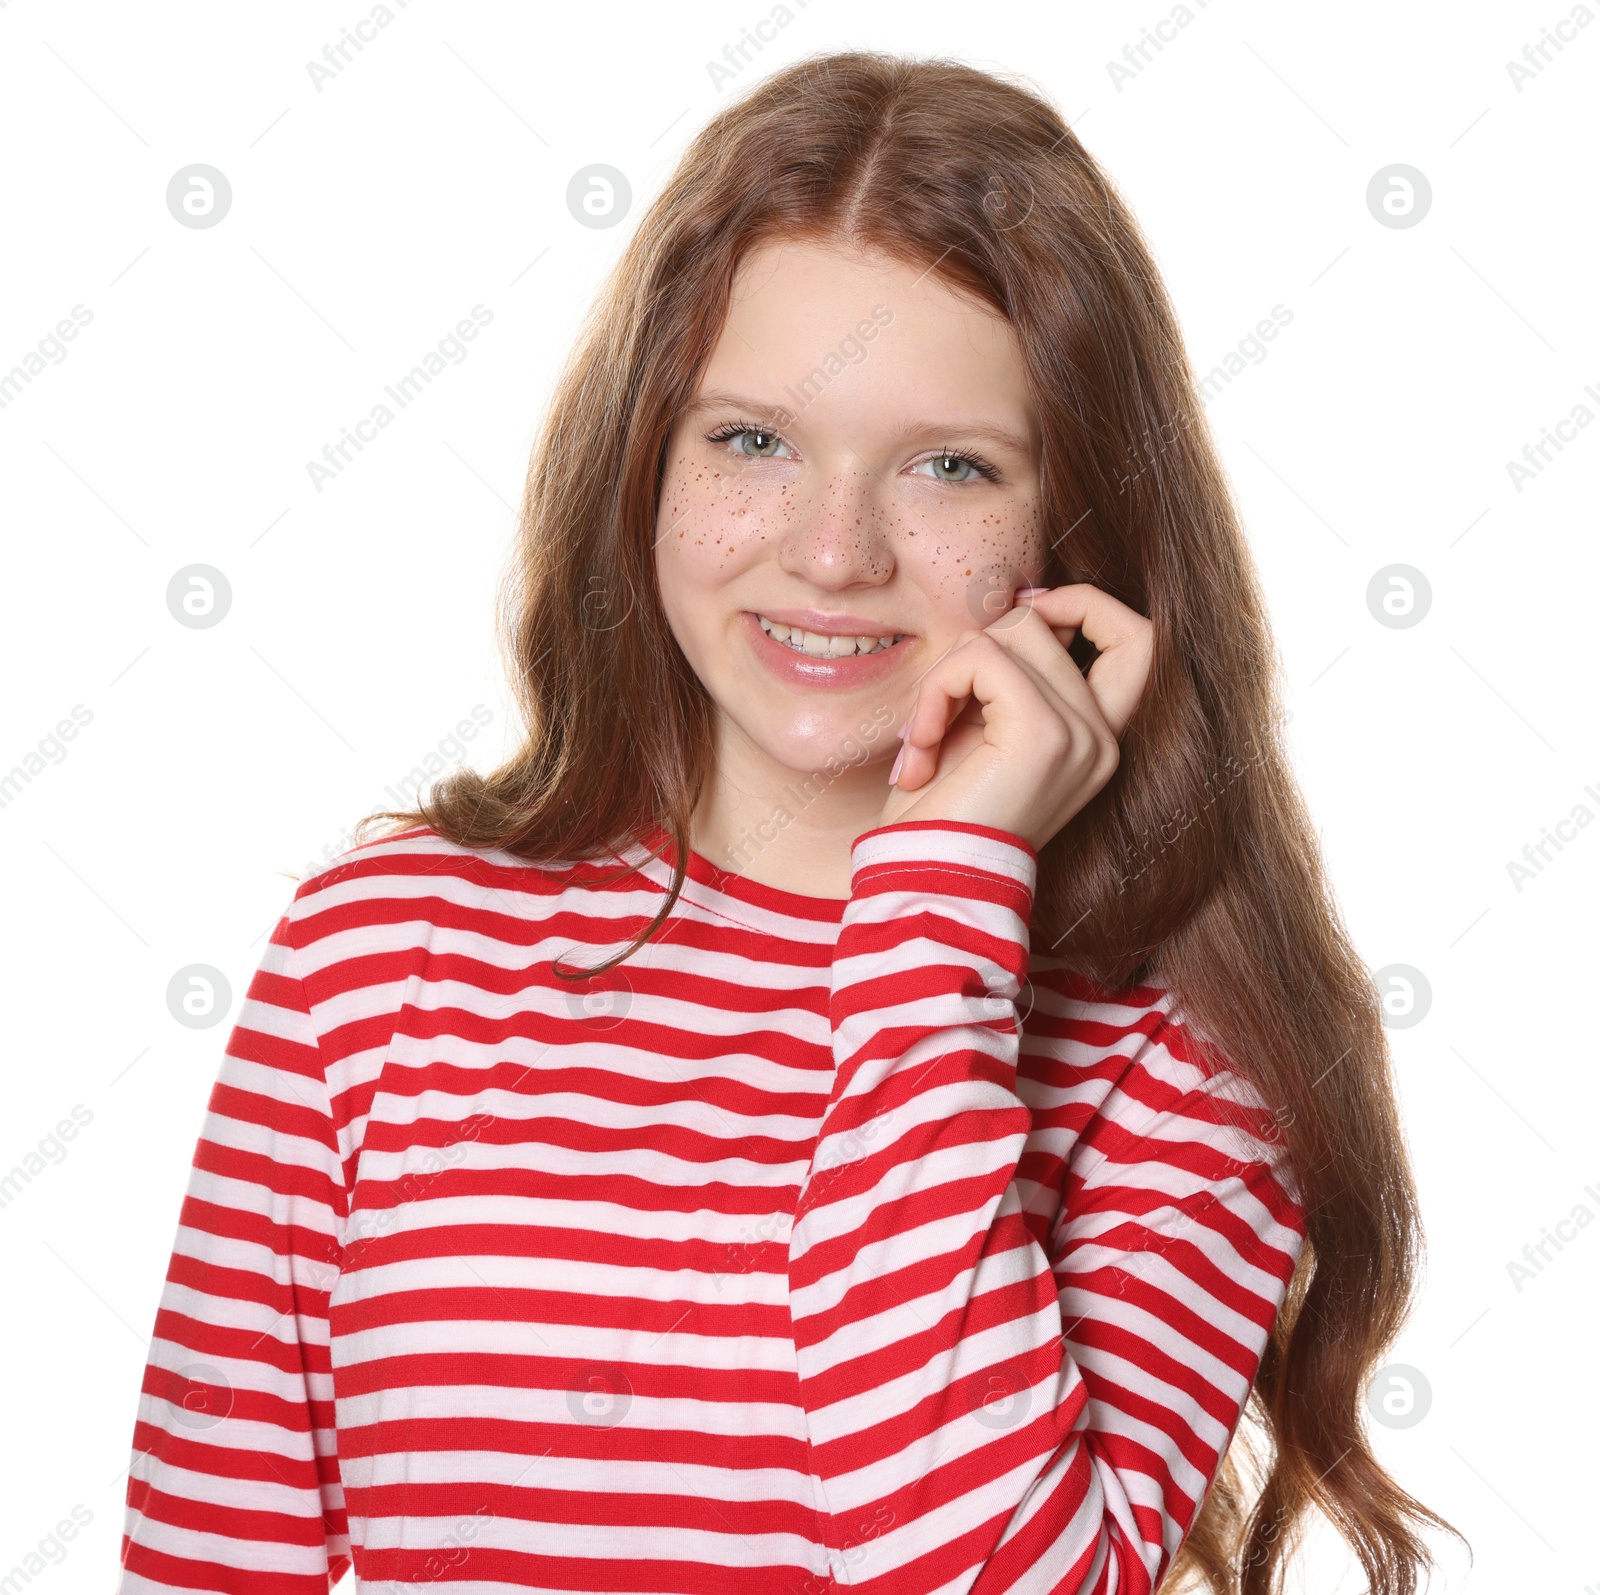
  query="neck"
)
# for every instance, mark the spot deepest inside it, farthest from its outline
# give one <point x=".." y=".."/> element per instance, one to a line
<point x="792" y="829"/>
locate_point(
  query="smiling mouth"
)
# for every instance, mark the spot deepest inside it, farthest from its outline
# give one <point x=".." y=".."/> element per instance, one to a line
<point x="827" y="645"/>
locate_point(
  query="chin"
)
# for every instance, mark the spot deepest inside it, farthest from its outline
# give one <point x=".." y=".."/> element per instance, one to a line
<point x="845" y="739"/>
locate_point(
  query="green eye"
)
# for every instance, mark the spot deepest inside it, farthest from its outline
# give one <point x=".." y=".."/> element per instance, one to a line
<point x="955" y="466"/>
<point x="765" y="442"/>
<point x="762" y="445"/>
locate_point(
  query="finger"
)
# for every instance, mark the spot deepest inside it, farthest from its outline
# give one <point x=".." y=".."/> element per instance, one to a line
<point x="1036" y="646"/>
<point x="1123" y="636"/>
<point x="1008" y="692"/>
<point x="941" y="698"/>
<point x="1022" y="604"/>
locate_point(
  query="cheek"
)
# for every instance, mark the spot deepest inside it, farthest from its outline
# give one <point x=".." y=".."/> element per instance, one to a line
<point x="968" y="562"/>
<point x="710" y="520"/>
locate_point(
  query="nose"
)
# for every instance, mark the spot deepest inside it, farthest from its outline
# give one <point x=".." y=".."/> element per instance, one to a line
<point x="838" y="532"/>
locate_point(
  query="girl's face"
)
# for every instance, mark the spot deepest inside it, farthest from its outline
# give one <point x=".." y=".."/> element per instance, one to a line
<point x="856" y="484"/>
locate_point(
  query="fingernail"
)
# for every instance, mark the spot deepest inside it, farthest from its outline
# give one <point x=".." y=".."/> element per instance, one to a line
<point x="899" y="759"/>
<point x="1031" y="592"/>
<point x="900" y="731"/>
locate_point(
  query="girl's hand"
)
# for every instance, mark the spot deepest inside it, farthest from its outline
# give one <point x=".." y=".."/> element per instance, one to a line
<point x="1007" y="731"/>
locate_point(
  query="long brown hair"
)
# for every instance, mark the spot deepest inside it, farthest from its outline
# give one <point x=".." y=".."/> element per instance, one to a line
<point x="1196" y="869"/>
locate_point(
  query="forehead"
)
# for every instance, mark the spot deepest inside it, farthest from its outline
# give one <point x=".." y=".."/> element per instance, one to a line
<point x="880" y="331"/>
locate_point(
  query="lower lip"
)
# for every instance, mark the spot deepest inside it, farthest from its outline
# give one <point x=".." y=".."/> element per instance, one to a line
<point x="821" y="670"/>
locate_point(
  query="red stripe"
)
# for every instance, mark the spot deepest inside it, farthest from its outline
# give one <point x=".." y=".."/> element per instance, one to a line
<point x="524" y="1238"/>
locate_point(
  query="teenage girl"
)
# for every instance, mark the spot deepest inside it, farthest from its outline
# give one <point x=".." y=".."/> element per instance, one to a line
<point x="875" y="1087"/>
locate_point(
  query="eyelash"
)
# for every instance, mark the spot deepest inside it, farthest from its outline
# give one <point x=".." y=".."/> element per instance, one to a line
<point x="733" y="429"/>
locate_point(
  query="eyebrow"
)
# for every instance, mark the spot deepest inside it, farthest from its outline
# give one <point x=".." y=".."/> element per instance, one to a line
<point x="717" y="398"/>
<point x="1004" y="436"/>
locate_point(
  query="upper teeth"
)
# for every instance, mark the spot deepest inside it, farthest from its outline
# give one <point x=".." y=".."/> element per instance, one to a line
<point x="823" y="643"/>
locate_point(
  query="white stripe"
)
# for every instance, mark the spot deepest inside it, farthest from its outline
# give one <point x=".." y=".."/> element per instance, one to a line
<point x="922" y="846"/>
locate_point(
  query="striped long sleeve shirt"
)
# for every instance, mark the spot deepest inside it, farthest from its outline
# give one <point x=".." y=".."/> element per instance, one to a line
<point x="821" y="1243"/>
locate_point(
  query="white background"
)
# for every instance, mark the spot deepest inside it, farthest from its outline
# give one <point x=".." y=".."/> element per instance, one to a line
<point x="428" y="176"/>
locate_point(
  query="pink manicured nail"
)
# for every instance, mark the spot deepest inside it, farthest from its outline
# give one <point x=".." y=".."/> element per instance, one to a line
<point x="899" y="759"/>
<point x="1031" y="592"/>
<point x="900" y="730"/>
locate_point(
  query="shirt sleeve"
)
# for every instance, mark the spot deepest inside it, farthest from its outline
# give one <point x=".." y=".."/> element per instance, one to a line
<point x="234" y="1484"/>
<point x="975" y="1424"/>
